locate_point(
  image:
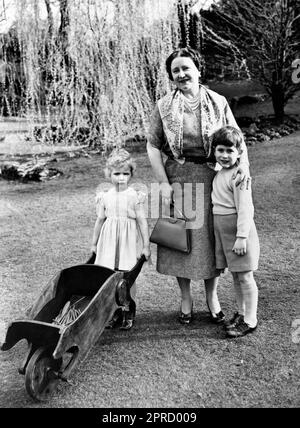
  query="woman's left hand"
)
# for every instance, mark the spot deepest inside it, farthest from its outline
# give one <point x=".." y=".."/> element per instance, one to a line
<point x="244" y="176"/>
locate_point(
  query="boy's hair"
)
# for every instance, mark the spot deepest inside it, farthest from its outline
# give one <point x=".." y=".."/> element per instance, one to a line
<point x="227" y="136"/>
<point x="119" y="158"/>
<point x="183" y="52"/>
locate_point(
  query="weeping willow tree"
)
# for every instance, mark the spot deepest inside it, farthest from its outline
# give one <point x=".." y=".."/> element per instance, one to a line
<point x="94" y="68"/>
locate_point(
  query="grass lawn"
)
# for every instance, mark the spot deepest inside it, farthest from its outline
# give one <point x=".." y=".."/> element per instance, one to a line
<point x="46" y="227"/>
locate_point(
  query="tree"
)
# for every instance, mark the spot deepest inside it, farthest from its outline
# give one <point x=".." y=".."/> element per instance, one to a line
<point x="267" y="35"/>
<point x="50" y="19"/>
<point x="190" y="24"/>
<point x="64" y="29"/>
<point x="12" y="81"/>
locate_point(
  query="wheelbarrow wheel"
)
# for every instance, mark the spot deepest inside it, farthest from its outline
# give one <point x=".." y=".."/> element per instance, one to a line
<point x="41" y="375"/>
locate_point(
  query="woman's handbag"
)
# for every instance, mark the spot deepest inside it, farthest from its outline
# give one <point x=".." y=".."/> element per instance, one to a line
<point x="171" y="232"/>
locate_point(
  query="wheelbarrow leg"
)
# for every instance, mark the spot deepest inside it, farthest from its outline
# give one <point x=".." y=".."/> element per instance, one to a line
<point x="132" y="307"/>
<point x="22" y="368"/>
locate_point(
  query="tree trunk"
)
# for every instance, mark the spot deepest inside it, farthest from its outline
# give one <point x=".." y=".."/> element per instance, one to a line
<point x="278" y="101"/>
<point x="50" y="18"/>
<point x="64" y="30"/>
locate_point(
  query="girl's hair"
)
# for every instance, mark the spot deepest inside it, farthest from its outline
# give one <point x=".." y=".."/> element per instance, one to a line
<point x="227" y="136"/>
<point x="183" y="52"/>
<point x="119" y="158"/>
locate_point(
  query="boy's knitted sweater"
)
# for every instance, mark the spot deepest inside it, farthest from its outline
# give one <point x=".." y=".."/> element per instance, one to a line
<point x="229" y="199"/>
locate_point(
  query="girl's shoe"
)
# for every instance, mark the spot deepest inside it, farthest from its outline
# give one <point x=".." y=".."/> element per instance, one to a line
<point x="234" y="321"/>
<point x="186" y="318"/>
<point x="218" y="318"/>
<point x="127" y="325"/>
<point x="128" y="320"/>
<point x="116" y="319"/>
<point x="240" y="330"/>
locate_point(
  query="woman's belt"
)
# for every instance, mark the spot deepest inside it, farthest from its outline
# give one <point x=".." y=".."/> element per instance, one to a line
<point x="196" y="159"/>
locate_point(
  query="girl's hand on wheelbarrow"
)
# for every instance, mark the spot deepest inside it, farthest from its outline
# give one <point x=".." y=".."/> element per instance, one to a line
<point x="146" y="252"/>
<point x="94" y="249"/>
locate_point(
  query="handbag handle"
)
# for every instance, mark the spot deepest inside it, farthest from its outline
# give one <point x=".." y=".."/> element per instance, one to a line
<point x="180" y="212"/>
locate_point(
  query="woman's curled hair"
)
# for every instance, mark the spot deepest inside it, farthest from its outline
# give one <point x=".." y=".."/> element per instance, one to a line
<point x="183" y="52"/>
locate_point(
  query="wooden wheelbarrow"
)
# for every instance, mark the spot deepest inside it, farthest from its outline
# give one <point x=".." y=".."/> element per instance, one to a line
<point x="85" y="296"/>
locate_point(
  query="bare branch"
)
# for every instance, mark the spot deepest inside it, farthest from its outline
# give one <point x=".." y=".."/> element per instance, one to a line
<point x="265" y="33"/>
<point x="3" y="12"/>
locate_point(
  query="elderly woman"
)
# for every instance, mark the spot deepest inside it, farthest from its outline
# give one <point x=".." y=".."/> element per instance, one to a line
<point x="181" y="127"/>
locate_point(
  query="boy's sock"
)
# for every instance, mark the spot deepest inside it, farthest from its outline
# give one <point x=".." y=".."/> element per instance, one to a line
<point x="250" y="297"/>
<point x="239" y="297"/>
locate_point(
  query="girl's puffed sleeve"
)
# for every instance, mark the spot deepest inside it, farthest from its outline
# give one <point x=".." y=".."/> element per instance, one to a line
<point x="100" y="207"/>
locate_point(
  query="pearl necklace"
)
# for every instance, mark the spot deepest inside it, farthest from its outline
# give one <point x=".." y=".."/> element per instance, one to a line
<point x="193" y="103"/>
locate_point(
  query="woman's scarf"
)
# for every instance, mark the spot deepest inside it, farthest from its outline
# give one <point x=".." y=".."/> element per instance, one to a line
<point x="214" y="115"/>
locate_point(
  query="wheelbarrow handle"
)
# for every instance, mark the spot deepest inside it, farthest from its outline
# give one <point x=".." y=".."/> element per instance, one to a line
<point x="131" y="275"/>
<point x="92" y="259"/>
<point x="139" y="264"/>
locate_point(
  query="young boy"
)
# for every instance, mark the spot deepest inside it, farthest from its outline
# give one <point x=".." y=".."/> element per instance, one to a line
<point x="237" y="245"/>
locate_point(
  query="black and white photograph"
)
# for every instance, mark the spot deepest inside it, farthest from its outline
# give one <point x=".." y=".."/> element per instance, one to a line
<point x="149" y="207"/>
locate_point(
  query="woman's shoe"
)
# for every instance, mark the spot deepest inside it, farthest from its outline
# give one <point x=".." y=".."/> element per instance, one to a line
<point x="234" y="321"/>
<point x="186" y="318"/>
<point x="218" y="318"/>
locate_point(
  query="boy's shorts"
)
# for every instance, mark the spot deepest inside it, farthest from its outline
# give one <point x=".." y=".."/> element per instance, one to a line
<point x="225" y="228"/>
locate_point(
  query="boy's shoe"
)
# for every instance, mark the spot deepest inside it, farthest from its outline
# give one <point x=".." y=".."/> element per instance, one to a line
<point x="240" y="330"/>
<point x="234" y="321"/>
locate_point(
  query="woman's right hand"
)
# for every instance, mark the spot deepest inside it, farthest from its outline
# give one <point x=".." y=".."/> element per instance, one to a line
<point x="166" y="193"/>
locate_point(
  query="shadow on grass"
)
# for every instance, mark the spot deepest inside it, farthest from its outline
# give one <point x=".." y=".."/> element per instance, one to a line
<point x="157" y="326"/>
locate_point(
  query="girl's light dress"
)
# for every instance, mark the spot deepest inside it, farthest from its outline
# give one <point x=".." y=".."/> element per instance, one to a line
<point x="120" y="241"/>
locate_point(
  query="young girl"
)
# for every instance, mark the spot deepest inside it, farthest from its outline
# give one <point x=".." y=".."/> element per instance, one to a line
<point x="121" y="231"/>
<point x="237" y="244"/>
